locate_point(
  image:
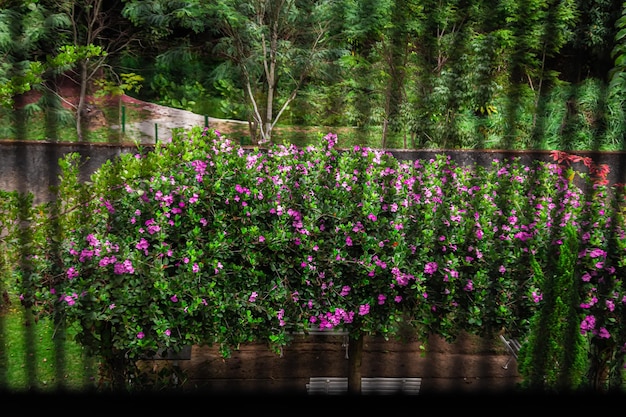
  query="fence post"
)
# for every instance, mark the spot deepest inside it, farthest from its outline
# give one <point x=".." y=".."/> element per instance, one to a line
<point x="156" y="133"/>
<point x="206" y="121"/>
<point x="123" y="119"/>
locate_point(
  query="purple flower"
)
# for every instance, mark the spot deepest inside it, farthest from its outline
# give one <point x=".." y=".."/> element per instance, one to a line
<point x="381" y="299"/>
<point x="364" y="309"/>
<point x="595" y="253"/>
<point x="430" y="268"/>
<point x="69" y="300"/>
<point x="537" y="297"/>
<point x="140" y="335"/>
<point x="174" y="298"/>
<point x="253" y="297"/>
<point x="281" y="315"/>
<point x="72" y="273"/>
<point x="92" y="240"/>
<point x="588" y="324"/>
<point x="109" y="206"/>
<point x="143" y="244"/>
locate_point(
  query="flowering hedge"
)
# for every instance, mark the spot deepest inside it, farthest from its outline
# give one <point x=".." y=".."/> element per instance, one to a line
<point x="201" y="242"/>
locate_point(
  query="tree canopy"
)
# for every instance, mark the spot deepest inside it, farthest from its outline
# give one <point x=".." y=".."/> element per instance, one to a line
<point x="410" y="73"/>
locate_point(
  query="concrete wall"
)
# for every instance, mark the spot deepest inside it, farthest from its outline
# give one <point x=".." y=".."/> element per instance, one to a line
<point x="33" y="166"/>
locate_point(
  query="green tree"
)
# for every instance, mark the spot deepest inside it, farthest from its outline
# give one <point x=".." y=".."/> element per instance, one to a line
<point x="275" y="46"/>
<point x="27" y="34"/>
<point x="97" y="32"/>
<point x="269" y="49"/>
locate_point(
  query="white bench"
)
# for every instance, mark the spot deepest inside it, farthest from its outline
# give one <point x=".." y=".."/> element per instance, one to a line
<point x="327" y="385"/>
<point x="369" y="386"/>
<point x="513" y="347"/>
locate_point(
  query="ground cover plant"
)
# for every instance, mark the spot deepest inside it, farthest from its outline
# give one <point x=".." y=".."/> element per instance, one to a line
<point x="35" y="358"/>
<point x="200" y="241"/>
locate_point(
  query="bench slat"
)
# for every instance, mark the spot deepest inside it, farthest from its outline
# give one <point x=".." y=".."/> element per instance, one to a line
<point x="378" y="385"/>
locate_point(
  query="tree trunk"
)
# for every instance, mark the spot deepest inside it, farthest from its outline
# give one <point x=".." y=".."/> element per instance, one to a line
<point x="355" y="356"/>
<point x="80" y="108"/>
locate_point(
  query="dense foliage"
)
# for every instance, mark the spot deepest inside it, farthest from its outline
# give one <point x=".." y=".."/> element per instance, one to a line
<point x="406" y="73"/>
<point x="200" y="242"/>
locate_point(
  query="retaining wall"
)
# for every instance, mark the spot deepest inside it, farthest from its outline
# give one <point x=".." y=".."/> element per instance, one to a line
<point x="33" y="166"/>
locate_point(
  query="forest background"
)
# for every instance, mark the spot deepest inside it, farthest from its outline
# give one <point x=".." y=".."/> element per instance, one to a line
<point x="531" y="74"/>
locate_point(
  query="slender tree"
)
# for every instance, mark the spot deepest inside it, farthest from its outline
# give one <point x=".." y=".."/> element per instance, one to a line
<point x="275" y="46"/>
<point x="97" y="32"/>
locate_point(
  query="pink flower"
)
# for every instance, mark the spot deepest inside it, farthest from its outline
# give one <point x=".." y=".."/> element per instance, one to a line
<point x="140" y="335"/>
<point x="72" y="273"/>
<point x="604" y="333"/>
<point x="537" y="297"/>
<point x="253" y="297"/>
<point x="430" y="268"/>
<point x="143" y="244"/>
<point x="174" y="298"/>
<point x="281" y="315"/>
<point x="597" y="253"/>
<point x="588" y="324"/>
<point x="364" y="309"/>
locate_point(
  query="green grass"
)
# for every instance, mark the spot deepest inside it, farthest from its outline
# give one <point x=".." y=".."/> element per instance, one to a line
<point x="32" y="359"/>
